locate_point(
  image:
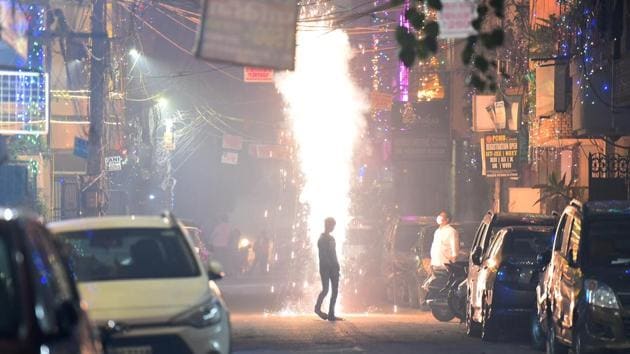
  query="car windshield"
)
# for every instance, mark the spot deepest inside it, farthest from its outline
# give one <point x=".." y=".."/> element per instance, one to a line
<point x="8" y="296"/>
<point x="133" y="253"/>
<point x="406" y="237"/>
<point x="608" y="242"/>
<point x="527" y="243"/>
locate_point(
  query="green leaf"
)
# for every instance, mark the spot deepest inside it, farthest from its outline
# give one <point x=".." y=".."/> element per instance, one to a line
<point x="407" y="56"/>
<point x="404" y="38"/>
<point x="396" y="2"/>
<point x="498" y="6"/>
<point x="476" y="24"/>
<point x="482" y="10"/>
<point x="432" y="29"/>
<point x="467" y="54"/>
<point x="431" y="44"/>
<point x="435" y="4"/>
<point x="481" y="63"/>
<point x="415" y="17"/>
<point x="477" y="82"/>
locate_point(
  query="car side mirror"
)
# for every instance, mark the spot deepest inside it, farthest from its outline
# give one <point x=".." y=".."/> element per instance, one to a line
<point x="475" y="257"/>
<point x="215" y="270"/>
<point x="543" y="259"/>
<point x="67" y="316"/>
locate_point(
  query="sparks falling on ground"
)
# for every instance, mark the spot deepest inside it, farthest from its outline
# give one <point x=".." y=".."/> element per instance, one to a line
<point x="326" y="110"/>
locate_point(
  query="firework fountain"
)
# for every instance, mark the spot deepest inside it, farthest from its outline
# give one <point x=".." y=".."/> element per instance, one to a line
<point x="327" y="114"/>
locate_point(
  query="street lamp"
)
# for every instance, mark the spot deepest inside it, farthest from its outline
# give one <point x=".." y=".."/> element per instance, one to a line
<point x="134" y="53"/>
<point x="162" y="102"/>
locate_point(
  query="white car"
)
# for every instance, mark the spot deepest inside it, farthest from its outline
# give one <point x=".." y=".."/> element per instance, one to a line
<point x="144" y="285"/>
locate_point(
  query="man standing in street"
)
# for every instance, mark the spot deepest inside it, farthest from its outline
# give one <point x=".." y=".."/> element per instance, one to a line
<point x="328" y="270"/>
<point x="445" y="246"/>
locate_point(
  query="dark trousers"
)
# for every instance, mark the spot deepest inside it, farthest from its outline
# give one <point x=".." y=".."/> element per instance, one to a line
<point x="328" y="276"/>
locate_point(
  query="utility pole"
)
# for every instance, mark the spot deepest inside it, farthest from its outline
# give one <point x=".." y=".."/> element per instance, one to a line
<point x="92" y="193"/>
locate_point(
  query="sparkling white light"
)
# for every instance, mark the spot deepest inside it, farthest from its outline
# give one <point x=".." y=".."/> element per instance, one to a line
<point x="327" y="113"/>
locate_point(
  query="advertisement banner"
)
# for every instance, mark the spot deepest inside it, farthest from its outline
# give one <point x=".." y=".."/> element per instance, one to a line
<point x="259" y="33"/>
<point x="113" y="163"/>
<point x="410" y="148"/>
<point x="381" y="101"/>
<point x="499" y="155"/>
<point x="456" y="18"/>
<point x="229" y="158"/>
<point x="257" y="75"/>
<point x="232" y="142"/>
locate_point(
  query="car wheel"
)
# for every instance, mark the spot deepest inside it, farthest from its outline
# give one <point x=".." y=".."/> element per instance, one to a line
<point x="579" y="341"/>
<point x="442" y="313"/>
<point x="473" y="329"/>
<point x="537" y="333"/>
<point x="552" y="344"/>
<point x="489" y="328"/>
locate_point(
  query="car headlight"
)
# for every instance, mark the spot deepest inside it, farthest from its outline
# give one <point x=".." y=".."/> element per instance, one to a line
<point x="600" y="294"/>
<point x="205" y="314"/>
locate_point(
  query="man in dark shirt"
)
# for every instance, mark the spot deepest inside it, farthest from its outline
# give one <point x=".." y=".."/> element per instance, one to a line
<point x="328" y="270"/>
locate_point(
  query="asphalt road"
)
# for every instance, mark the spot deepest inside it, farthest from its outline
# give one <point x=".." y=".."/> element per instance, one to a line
<point x="410" y="332"/>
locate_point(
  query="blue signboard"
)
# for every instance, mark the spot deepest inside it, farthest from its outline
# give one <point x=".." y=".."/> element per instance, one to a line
<point x="81" y="147"/>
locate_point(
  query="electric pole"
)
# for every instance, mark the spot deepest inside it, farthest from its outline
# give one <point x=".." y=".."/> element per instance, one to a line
<point x="92" y="192"/>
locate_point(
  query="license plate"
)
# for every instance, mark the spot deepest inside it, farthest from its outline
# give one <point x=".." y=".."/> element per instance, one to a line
<point x="145" y="349"/>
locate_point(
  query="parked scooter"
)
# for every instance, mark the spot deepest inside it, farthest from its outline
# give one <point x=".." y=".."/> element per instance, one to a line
<point x="445" y="295"/>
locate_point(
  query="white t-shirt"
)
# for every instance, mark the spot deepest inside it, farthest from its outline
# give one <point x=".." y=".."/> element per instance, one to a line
<point x="445" y="247"/>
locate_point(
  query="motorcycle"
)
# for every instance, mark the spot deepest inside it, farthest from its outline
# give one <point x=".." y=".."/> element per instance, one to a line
<point x="446" y="292"/>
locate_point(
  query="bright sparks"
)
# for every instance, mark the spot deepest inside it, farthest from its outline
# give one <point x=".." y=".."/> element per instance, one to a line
<point x="327" y="111"/>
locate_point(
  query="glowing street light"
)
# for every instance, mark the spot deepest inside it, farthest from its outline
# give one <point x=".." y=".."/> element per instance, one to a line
<point x="162" y="102"/>
<point x="134" y="53"/>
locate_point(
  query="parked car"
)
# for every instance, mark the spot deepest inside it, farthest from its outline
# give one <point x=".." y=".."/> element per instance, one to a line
<point x="487" y="230"/>
<point x="587" y="306"/>
<point x="506" y="283"/>
<point x="41" y="309"/>
<point x="145" y="286"/>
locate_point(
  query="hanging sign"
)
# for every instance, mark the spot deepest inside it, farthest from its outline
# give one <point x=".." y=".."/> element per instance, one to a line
<point x="229" y="158"/>
<point x="232" y="142"/>
<point x="455" y="18"/>
<point x="259" y="33"/>
<point x="80" y="147"/>
<point x="499" y="155"/>
<point x="381" y="101"/>
<point x="257" y="75"/>
<point x="113" y="163"/>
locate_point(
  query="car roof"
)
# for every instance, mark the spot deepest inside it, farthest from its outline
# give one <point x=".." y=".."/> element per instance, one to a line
<point x="515" y="219"/>
<point x="110" y="222"/>
<point x="532" y="229"/>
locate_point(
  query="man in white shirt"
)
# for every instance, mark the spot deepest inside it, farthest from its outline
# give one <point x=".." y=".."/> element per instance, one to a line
<point x="445" y="247"/>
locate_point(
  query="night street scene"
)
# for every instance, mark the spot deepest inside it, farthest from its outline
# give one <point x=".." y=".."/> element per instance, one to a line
<point x="314" y="176"/>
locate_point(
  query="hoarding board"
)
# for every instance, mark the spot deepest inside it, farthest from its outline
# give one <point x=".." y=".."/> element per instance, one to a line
<point x="259" y="33"/>
<point x="499" y="155"/>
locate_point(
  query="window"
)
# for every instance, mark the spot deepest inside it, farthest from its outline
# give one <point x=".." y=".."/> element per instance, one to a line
<point x="51" y="283"/>
<point x="116" y="254"/>
<point x="557" y="243"/>
<point x="607" y="242"/>
<point x="574" y="240"/>
<point x="9" y="303"/>
<point x="495" y="245"/>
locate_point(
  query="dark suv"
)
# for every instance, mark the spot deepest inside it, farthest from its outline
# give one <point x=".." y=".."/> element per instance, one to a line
<point x="39" y="302"/>
<point x="490" y="225"/>
<point x="587" y="305"/>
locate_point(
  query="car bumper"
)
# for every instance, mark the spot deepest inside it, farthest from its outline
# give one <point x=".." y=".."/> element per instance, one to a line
<point x="607" y="329"/>
<point x="166" y="339"/>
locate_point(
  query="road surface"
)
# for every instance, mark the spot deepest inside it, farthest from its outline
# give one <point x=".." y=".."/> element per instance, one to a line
<point x="411" y="332"/>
